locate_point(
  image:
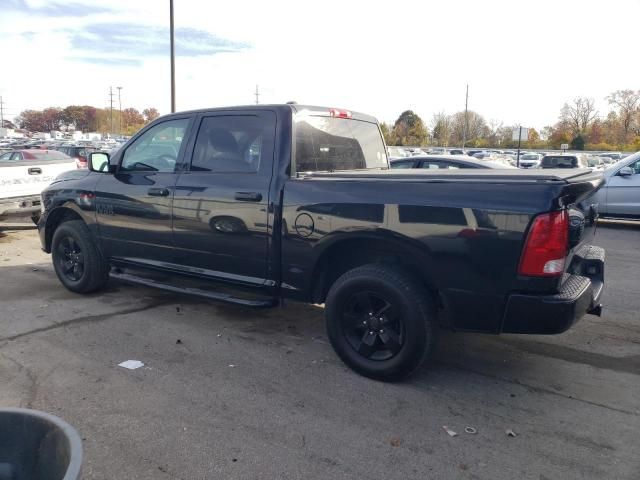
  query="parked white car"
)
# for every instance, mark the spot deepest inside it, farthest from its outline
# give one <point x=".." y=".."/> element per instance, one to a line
<point x="23" y="176"/>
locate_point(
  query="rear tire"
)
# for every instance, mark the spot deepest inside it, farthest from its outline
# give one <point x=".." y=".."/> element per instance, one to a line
<point x="77" y="261"/>
<point x="381" y="321"/>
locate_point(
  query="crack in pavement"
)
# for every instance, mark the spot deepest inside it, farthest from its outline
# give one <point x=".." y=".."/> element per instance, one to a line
<point x="538" y="389"/>
<point x="87" y="318"/>
<point x="32" y="394"/>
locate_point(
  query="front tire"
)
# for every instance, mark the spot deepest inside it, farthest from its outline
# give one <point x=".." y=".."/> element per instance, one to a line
<point x="76" y="259"/>
<point x="380" y="321"/>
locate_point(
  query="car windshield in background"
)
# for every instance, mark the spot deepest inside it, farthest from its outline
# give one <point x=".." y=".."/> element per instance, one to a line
<point x="329" y="144"/>
<point x="528" y="157"/>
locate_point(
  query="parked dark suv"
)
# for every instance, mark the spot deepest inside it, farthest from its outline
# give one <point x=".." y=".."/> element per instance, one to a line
<point x="79" y="153"/>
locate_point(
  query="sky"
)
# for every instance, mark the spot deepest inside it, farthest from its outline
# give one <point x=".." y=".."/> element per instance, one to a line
<point x="521" y="60"/>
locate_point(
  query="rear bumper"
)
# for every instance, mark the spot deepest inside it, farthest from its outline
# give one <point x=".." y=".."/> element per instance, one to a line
<point x="19" y="206"/>
<point x="580" y="293"/>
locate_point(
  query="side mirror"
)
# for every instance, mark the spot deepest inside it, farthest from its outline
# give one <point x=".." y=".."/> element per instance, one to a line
<point x="99" y="162"/>
<point x="626" y="172"/>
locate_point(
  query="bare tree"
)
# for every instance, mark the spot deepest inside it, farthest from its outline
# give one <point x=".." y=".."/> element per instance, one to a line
<point x="578" y="114"/>
<point x="627" y="102"/>
<point x="441" y="129"/>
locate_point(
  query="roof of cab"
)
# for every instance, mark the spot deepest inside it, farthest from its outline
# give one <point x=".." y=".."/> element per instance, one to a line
<point x="282" y="108"/>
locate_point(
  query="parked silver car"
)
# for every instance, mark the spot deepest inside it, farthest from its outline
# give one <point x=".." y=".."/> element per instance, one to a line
<point x="620" y="196"/>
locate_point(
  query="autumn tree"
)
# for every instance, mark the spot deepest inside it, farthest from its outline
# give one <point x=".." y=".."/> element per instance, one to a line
<point x="150" y="114"/>
<point x="31" y="120"/>
<point x="409" y="130"/>
<point x="474" y="131"/>
<point x="578" y="114"/>
<point x="441" y="129"/>
<point x="626" y="103"/>
<point x="386" y="133"/>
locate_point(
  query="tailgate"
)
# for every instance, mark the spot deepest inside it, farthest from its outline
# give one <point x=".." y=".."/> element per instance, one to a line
<point x="22" y="179"/>
<point x="578" y="197"/>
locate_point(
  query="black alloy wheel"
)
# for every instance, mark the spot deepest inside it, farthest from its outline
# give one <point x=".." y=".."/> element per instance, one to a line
<point x="70" y="259"/>
<point x="373" y="326"/>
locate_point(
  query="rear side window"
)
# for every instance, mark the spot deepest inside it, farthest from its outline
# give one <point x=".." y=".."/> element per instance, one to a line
<point x="233" y="143"/>
<point x="328" y="144"/>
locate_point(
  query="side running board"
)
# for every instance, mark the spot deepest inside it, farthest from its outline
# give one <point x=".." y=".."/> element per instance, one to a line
<point x="216" y="296"/>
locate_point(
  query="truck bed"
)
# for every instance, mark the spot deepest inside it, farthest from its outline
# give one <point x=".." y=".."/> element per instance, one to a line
<point x="573" y="175"/>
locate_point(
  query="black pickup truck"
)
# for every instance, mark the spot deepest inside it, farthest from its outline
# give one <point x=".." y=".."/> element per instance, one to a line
<point x="298" y="202"/>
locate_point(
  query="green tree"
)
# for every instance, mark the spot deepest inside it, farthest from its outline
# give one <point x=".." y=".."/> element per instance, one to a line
<point x="577" y="143"/>
<point x="409" y="129"/>
<point x="386" y="133"/>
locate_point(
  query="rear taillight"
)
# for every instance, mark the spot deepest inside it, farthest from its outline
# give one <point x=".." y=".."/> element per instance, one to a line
<point x="81" y="162"/>
<point x="546" y="248"/>
<point x="334" y="112"/>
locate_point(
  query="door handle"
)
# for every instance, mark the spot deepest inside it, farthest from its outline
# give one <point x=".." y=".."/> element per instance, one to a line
<point x="34" y="171"/>
<point x="159" y="192"/>
<point x="248" y="196"/>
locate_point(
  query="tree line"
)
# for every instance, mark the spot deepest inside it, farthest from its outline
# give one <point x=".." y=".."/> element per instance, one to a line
<point x="85" y="118"/>
<point x="579" y="124"/>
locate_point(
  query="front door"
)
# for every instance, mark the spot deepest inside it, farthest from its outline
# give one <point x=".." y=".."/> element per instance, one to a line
<point x="220" y="217"/>
<point x="133" y="206"/>
<point x="623" y="193"/>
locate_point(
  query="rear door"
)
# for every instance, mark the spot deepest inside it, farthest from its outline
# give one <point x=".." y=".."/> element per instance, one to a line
<point x="133" y="206"/>
<point x="220" y="214"/>
<point x="623" y="193"/>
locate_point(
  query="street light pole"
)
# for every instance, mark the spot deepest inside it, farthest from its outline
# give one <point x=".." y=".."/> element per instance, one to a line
<point x="464" y="127"/>
<point x="119" y="108"/>
<point x="173" y="64"/>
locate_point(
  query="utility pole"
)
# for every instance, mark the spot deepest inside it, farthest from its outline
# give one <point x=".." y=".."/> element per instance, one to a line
<point x="111" y="107"/>
<point x="120" y="108"/>
<point x="173" y="59"/>
<point x="1" y="112"/>
<point x="257" y="94"/>
<point x="464" y="128"/>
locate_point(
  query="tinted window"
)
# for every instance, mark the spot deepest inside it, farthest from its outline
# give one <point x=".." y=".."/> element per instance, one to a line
<point x="327" y="143"/>
<point x="636" y="167"/>
<point x="435" y="215"/>
<point x="440" y="165"/>
<point x="559" y="162"/>
<point x="401" y="164"/>
<point x="157" y="149"/>
<point x="5" y="156"/>
<point x="232" y="143"/>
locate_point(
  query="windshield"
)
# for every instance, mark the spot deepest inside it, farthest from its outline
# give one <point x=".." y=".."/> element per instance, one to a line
<point x="328" y="144"/>
<point x="528" y="157"/>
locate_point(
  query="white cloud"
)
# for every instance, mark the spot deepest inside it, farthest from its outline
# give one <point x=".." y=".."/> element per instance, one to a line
<point x="521" y="60"/>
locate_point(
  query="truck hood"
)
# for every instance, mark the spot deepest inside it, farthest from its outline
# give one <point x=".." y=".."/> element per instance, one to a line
<point x="71" y="175"/>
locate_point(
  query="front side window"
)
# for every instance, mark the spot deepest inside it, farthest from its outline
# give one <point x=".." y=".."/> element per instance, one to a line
<point x="157" y="149"/>
<point x="233" y="143"/>
<point x="636" y="167"/>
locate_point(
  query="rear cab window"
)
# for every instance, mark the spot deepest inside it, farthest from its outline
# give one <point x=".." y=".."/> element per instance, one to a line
<point x="330" y="142"/>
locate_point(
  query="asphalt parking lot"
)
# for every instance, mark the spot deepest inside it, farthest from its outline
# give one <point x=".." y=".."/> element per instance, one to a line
<point x="234" y="393"/>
